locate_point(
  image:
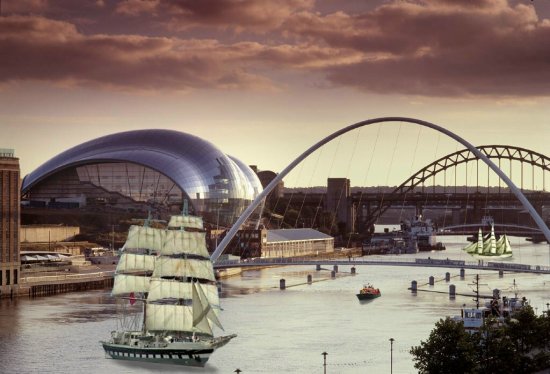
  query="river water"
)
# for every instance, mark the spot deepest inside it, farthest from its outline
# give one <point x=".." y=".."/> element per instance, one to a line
<point x="278" y="331"/>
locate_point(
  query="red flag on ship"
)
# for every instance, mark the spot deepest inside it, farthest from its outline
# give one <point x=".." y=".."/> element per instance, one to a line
<point x="132" y="298"/>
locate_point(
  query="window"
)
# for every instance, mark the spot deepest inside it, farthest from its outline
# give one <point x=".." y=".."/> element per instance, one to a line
<point x="8" y="277"/>
<point x="15" y="276"/>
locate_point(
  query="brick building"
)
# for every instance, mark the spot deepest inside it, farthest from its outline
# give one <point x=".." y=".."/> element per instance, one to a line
<point x="9" y="222"/>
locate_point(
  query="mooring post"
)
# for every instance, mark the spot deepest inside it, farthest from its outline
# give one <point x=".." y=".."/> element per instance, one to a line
<point x="462" y="272"/>
<point x="309" y="279"/>
<point x="447" y="277"/>
<point x="431" y="280"/>
<point x="353" y="270"/>
<point x="282" y="284"/>
<point x="318" y="267"/>
<point x="335" y="267"/>
<point x="452" y="291"/>
<point x="333" y="274"/>
<point x="500" y="273"/>
<point x="414" y="286"/>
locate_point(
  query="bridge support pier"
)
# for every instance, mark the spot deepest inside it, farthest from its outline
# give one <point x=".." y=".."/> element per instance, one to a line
<point x="353" y="270"/>
<point x="309" y="279"/>
<point x="282" y="284"/>
<point x="414" y="286"/>
<point x="333" y="274"/>
<point x="447" y="277"/>
<point x="318" y="267"/>
<point x="335" y="267"/>
<point x="501" y="273"/>
<point x="431" y="280"/>
<point x="462" y="271"/>
<point x="452" y="291"/>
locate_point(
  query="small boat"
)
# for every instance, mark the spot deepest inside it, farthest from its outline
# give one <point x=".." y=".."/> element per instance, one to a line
<point x="368" y="292"/>
<point x="497" y="308"/>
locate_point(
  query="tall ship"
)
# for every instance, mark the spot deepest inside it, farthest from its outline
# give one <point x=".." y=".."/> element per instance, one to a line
<point x="489" y="246"/>
<point x="170" y="273"/>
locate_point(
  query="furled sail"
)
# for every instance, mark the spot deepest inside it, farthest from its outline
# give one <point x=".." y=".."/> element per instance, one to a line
<point x="125" y="284"/>
<point x="130" y="262"/>
<point x="172" y="289"/>
<point x="185" y="221"/>
<point x="142" y="237"/>
<point x="179" y="267"/>
<point x="189" y="242"/>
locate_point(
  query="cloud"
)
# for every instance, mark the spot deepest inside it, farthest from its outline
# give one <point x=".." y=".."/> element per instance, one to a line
<point x="453" y="48"/>
<point x="45" y="50"/>
<point x="41" y="49"/>
<point x="433" y="48"/>
<point x="239" y="15"/>
<point x="24" y="6"/>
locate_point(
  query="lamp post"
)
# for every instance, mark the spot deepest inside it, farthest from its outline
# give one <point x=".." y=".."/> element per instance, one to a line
<point x="324" y="362"/>
<point x="391" y="355"/>
<point x="237" y="371"/>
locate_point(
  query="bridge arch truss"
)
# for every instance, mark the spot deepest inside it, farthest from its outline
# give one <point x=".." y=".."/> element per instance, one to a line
<point x="454" y="159"/>
<point x="259" y="199"/>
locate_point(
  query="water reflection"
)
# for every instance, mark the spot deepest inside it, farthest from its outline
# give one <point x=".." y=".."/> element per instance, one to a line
<point x="278" y="331"/>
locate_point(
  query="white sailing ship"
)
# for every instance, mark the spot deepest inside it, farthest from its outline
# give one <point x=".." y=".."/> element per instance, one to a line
<point x="170" y="272"/>
<point x="490" y="246"/>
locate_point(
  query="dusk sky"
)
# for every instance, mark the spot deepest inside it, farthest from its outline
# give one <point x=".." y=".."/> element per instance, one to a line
<point x="263" y="80"/>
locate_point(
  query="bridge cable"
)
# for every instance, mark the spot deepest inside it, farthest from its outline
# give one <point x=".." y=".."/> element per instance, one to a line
<point x="292" y="194"/>
<point x="410" y="173"/>
<point x="346" y="177"/>
<point x="309" y="185"/>
<point x="364" y="184"/>
<point x="389" y="168"/>
<point x="328" y="175"/>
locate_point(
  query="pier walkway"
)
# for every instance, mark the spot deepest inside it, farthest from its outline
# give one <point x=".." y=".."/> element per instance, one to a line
<point x="418" y="262"/>
<point x="52" y="284"/>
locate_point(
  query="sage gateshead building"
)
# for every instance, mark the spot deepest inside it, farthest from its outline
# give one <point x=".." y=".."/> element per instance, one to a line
<point x="145" y="171"/>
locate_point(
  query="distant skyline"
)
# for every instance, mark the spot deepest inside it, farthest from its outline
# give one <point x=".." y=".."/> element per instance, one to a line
<point x="264" y="80"/>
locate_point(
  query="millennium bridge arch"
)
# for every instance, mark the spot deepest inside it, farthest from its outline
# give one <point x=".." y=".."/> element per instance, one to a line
<point x="454" y="159"/>
<point x="526" y="204"/>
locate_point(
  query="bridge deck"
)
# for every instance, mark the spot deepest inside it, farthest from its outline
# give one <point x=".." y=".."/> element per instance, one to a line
<point x="478" y="265"/>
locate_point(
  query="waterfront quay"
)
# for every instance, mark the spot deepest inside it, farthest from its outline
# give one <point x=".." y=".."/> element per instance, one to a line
<point x="34" y="282"/>
<point x="44" y="285"/>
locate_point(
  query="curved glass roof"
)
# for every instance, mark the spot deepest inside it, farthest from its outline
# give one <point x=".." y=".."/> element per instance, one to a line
<point x="195" y="165"/>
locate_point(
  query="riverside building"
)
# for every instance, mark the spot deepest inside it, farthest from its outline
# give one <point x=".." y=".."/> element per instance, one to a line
<point x="9" y="222"/>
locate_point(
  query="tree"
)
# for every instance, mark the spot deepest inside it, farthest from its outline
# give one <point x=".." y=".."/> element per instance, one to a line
<point x="520" y="344"/>
<point x="449" y="349"/>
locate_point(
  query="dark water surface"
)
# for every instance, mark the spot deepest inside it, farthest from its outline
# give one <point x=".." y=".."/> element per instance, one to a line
<point x="278" y="331"/>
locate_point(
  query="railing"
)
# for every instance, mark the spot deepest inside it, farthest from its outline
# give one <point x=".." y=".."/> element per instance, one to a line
<point x="66" y="278"/>
<point x="388" y="261"/>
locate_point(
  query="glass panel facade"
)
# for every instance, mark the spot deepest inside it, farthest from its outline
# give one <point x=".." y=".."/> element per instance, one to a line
<point x="157" y="168"/>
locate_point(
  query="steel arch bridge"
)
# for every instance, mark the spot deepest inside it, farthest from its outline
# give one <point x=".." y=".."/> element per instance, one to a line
<point x="454" y="159"/>
<point x="259" y="199"/>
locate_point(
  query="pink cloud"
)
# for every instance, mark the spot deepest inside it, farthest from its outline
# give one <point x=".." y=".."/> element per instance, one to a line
<point x="424" y="47"/>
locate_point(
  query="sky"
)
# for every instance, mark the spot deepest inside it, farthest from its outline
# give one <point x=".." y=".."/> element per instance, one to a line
<point x="264" y="80"/>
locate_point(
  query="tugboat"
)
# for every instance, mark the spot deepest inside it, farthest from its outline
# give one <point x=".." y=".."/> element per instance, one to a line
<point x="368" y="292"/>
<point x="474" y="318"/>
<point x="169" y="271"/>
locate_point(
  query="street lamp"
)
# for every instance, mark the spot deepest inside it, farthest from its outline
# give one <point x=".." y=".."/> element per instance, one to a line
<point x="391" y="355"/>
<point x="237" y="371"/>
<point x="324" y="362"/>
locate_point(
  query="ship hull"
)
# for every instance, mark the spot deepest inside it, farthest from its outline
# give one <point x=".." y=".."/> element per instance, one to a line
<point x="186" y="357"/>
<point x="367" y="296"/>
